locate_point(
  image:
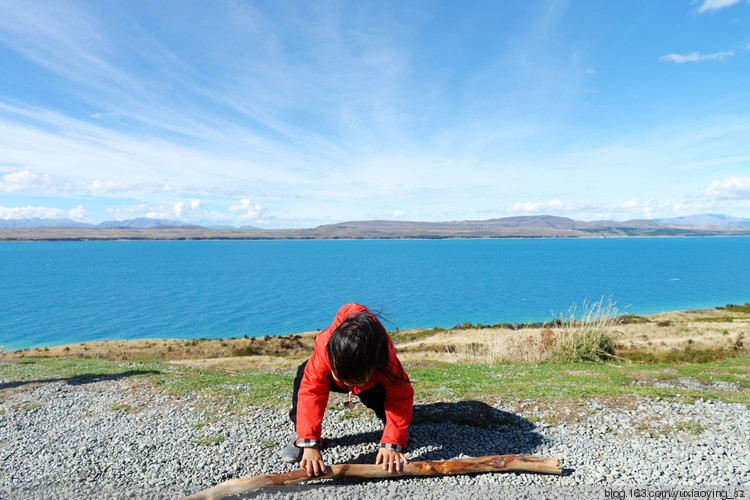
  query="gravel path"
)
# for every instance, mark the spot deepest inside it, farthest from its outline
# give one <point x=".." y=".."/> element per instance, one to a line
<point x="118" y="438"/>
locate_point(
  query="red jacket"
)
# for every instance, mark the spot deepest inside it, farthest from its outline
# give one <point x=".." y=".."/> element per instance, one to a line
<point x="314" y="390"/>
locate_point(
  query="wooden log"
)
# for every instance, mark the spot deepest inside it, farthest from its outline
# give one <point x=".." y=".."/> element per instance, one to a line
<point x="496" y="463"/>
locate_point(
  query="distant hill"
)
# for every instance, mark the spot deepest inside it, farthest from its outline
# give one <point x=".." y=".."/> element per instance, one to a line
<point x="143" y="223"/>
<point x="139" y="223"/>
<point x="541" y="226"/>
<point x="8" y="223"/>
<point x="706" y="220"/>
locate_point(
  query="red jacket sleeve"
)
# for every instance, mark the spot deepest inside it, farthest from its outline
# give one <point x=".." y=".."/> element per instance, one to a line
<point x="399" y="398"/>
<point x="313" y="396"/>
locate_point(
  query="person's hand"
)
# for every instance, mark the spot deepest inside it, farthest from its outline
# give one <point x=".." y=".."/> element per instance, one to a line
<point x="312" y="460"/>
<point x="391" y="459"/>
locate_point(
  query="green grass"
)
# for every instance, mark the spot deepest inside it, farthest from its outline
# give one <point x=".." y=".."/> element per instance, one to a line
<point x="409" y="336"/>
<point x="714" y="319"/>
<point x="691" y="427"/>
<point x="120" y="407"/>
<point x="268" y="444"/>
<point x="209" y="440"/>
<point x="432" y="381"/>
<point x="738" y="308"/>
<point x="554" y="381"/>
<point x="697" y="356"/>
<point x="232" y="389"/>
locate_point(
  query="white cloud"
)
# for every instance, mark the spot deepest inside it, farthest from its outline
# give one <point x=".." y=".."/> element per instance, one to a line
<point x="103" y="187"/>
<point x="731" y="188"/>
<point x="554" y="207"/>
<point x="629" y="209"/>
<point x="397" y="214"/>
<point x="28" y="181"/>
<point x="109" y="187"/>
<point x="536" y="207"/>
<point x="709" y="5"/>
<point x="78" y="213"/>
<point x="23" y="180"/>
<point x="29" y="212"/>
<point x="646" y="208"/>
<point x="128" y="211"/>
<point x="187" y="208"/>
<point x="252" y="209"/>
<point x="695" y="57"/>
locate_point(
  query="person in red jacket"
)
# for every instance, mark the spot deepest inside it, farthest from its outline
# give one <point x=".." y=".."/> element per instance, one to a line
<point x="354" y="355"/>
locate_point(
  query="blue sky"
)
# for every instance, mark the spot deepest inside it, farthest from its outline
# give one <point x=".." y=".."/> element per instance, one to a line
<point x="293" y="114"/>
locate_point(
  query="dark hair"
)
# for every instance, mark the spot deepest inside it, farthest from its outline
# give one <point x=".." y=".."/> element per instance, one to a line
<point x="358" y="348"/>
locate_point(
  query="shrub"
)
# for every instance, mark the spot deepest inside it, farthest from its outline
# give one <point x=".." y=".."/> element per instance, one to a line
<point x="247" y="350"/>
<point x="588" y="336"/>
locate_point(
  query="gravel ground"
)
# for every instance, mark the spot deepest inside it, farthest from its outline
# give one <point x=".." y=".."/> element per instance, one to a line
<point x="120" y="439"/>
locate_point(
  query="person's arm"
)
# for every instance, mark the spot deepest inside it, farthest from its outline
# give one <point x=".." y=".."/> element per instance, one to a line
<point x="312" y="399"/>
<point x="399" y="399"/>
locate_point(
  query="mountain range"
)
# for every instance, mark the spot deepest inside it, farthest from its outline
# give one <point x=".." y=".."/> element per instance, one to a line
<point x="539" y="226"/>
<point x="140" y="223"/>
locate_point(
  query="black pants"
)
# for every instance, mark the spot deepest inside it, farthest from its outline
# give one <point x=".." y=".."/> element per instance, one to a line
<point x="373" y="398"/>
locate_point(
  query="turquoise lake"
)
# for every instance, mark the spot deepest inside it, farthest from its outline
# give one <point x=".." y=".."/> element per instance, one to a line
<point x="62" y="292"/>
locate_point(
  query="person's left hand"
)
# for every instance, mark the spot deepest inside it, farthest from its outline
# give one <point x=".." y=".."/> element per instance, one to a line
<point x="390" y="458"/>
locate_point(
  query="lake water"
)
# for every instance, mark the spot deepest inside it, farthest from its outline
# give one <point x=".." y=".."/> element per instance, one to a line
<point x="62" y="292"/>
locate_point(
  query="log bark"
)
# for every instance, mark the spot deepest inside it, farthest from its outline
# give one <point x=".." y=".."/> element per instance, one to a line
<point x="496" y="463"/>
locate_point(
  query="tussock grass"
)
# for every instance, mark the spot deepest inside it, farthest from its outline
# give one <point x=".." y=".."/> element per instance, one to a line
<point x="576" y="336"/>
<point x="588" y="336"/>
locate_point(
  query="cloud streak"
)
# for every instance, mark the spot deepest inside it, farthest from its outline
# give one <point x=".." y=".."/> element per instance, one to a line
<point x="695" y="57"/>
<point x="712" y="5"/>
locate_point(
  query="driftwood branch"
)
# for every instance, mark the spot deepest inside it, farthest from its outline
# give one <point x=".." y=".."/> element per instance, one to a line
<point x="497" y="463"/>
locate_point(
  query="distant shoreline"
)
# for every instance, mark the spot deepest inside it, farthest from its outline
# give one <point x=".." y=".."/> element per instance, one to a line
<point x="720" y="318"/>
<point x="503" y="228"/>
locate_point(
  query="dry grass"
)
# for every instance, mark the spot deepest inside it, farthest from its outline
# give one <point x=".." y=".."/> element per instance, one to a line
<point x="657" y="335"/>
<point x="237" y="353"/>
<point x="660" y="334"/>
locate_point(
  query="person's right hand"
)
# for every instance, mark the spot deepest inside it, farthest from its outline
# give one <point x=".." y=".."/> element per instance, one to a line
<point x="312" y="460"/>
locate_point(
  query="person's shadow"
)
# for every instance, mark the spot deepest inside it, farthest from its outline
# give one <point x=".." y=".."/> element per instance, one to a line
<point x="441" y="431"/>
<point x="438" y="431"/>
<point x="87" y="378"/>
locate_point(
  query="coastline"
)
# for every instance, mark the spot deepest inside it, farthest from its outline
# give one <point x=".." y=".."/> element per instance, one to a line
<point x="513" y="227"/>
<point x="667" y="332"/>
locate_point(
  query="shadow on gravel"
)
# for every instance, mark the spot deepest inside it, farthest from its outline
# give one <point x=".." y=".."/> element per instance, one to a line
<point x="88" y="378"/>
<point x="444" y="431"/>
<point x="447" y="430"/>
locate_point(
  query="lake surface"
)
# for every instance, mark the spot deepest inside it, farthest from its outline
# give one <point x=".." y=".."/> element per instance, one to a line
<point x="62" y="292"/>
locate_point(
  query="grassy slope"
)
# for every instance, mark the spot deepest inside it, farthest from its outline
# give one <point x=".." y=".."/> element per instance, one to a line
<point x="433" y="381"/>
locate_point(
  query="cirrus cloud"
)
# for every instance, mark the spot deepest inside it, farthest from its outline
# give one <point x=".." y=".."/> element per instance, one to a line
<point x="695" y="57"/>
<point x="553" y="206"/>
<point x="709" y="5"/>
<point x="99" y="187"/>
